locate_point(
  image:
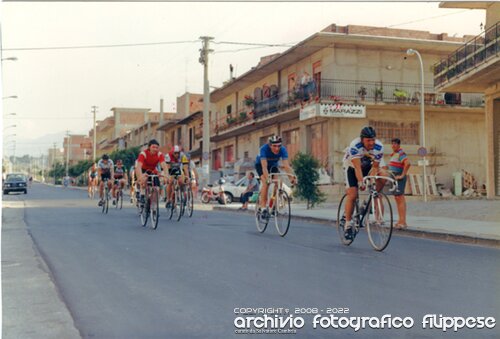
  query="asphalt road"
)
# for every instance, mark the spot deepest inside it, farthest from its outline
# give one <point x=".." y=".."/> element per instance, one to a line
<point x="185" y="279"/>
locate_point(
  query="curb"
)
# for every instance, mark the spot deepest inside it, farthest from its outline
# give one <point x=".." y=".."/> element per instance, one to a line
<point x="449" y="237"/>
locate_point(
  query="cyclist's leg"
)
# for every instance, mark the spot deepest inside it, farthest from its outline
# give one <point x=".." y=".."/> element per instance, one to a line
<point x="262" y="203"/>
<point x="101" y="187"/>
<point x="351" y="191"/>
<point x="113" y="189"/>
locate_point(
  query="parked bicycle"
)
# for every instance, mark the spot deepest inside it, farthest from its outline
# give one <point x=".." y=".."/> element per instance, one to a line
<point x="375" y="213"/>
<point x="151" y="206"/>
<point x="277" y="208"/>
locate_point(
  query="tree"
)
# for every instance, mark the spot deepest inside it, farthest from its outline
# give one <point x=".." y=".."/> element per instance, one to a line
<point x="306" y="168"/>
<point x="59" y="170"/>
<point x="128" y="156"/>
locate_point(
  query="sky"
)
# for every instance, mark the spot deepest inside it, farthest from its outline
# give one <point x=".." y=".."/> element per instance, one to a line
<point x="56" y="88"/>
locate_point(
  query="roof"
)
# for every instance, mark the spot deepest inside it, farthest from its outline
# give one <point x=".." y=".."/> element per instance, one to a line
<point x="190" y="118"/>
<point x="322" y="40"/>
<point x="166" y="124"/>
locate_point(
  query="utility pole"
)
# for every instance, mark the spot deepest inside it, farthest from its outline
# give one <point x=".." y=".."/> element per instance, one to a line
<point x="67" y="152"/>
<point x="94" y="155"/>
<point x="54" y="162"/>
<point x="206" y="107"/>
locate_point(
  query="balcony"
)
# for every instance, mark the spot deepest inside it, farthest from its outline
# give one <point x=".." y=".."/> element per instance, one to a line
<point x="340" y="91"/>
<point x="474" y="55"/>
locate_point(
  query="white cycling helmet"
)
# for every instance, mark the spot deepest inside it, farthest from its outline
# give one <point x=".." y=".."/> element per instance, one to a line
<point x="176" y="149"/>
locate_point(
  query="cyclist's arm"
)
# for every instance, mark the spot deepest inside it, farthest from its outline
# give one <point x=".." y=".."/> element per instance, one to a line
<point x="265" y="173"/>
<point x="375" y="168"/>
<point x="185" y="170"/>
<point x="356" y="163"/>
<point x="138" y="171"/>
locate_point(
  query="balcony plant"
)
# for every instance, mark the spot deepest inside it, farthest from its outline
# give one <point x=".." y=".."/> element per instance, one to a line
<point x="379" y="94"/>
<point x="401" y="95"/>
<point x="230" y="120"/>
<point x="362" y="92"/>
<point x="248" y="100"/>
<point x="243" y="116"/>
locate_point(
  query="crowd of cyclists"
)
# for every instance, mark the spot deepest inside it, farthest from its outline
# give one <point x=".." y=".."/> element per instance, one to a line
<point x="363" y="157"/>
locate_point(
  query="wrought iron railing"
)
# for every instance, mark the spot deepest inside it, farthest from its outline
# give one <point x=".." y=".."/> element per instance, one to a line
<point x="344" y="91"/>
<point x="482" y="48"/>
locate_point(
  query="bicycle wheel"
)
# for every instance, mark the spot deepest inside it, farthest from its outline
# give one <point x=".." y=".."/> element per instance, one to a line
<point x="190" y="203"/>
<point x="260" y="222"/>
<point x="120" y="199"/>
<point x="282" y="213"/>
<point x="341" y="220"/>
<point x="179" y="198"/>
<point x="154" y="208"/>
<point x="379" y="222"/>
<point x="144" y="211"/>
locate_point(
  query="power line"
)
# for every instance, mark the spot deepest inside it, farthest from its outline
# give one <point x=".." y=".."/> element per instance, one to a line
<point x="100" y="46"/>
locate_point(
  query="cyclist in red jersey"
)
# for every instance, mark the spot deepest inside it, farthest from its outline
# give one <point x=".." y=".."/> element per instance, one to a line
<point x="147" y="162"/>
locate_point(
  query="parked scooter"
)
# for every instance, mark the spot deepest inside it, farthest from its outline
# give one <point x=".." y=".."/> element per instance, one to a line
<point x="208" y="194"/>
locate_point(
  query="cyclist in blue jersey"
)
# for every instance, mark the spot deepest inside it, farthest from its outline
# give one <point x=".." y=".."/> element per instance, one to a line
<point x="267" y="162"/>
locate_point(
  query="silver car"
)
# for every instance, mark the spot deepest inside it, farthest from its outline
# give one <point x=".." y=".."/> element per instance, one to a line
<point x="234" y="190"/>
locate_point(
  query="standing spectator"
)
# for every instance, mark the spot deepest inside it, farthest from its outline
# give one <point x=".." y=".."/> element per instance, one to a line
<point x="399" y="166"/>
<point x="252" y="186"/>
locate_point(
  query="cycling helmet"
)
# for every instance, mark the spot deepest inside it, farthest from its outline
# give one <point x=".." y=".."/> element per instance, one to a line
<point x="368" y="132"/>
<point x="176" y="149"/>
<point x="119" y="162"/>
<point x="275" y="139"/>
<point x="105" y="157"/>
<point x="153" y="142"/>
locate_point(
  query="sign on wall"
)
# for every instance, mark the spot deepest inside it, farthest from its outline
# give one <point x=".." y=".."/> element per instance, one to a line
<point x="333" y="111"/>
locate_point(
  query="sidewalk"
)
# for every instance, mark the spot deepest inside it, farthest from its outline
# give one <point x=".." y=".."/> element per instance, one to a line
<point x="468" y="221"/>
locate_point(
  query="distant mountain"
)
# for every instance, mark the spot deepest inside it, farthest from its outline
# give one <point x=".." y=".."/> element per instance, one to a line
<point x="38" y="146"/>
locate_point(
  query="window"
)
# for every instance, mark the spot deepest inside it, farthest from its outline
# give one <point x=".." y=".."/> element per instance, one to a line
<point x="179" y="136"/>
<point x="291" y="82"/>
<point x="318" y="142"/>
<point x="291" y="142"/>
<point x="229" y="109"/>
<point x="408" y="132"/>
<point x="229" y="154"/>
<point x="264" y="140"/>
<point x="317" y="76"/>
<point x="190" y="138"/>
<point x="216" y="160"/>
<point x="245" y="154"/>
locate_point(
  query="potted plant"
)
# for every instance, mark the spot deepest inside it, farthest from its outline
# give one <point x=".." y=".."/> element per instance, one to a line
<point x="243" y="116"/>
<point x="401" y="95"/>
<point x="248" y="100"/>
<point x="379" y="94"/>
<point x="362" y="92"/>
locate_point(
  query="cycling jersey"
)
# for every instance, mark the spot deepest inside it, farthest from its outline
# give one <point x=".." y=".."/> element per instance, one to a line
<point x="356" y="150"/>
<point x="272" y="159"/>
<point x="119" y="172"/>
<point x="150" y="161"/>
<point x="105" y="168"/>
<point x="176" y="162"/>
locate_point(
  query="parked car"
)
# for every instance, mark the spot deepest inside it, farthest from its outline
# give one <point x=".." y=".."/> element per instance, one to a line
<point x="15" y="182"/>
<point x="233" y="190"/>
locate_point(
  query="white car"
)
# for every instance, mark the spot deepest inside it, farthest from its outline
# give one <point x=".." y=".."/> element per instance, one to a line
<point x="233" y="191"/>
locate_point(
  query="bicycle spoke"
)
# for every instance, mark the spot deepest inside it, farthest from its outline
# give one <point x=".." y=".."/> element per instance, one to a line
<point x="281" y="210"/>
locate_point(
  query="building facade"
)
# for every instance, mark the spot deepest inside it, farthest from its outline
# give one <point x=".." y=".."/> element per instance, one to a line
<point x="320" y="93"/>
<point x="475" y="67"/>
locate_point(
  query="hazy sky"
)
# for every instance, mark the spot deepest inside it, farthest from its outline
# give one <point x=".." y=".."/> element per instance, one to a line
<point x="56" y="88"/>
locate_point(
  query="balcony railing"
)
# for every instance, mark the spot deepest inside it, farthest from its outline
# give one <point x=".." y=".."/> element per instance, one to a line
<point x="474" y="53"/>
<point x="344" y="91"/>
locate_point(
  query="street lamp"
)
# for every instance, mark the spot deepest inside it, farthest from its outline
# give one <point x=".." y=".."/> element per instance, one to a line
<point x="10" y="97"/>
<point x="9" y="127"/>
<point x="422" y="115"/>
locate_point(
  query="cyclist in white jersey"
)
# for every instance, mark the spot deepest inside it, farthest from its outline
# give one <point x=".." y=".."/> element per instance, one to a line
<point x="362" y="158"/>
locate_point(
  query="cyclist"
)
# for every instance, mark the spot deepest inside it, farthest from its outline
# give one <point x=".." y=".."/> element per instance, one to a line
<point x="105" y="170"/>
<point x="362" y="158"/>
<point x="120" y="177"/>
<point x="132" y="181"/>
<point x="177" y="164"/>
<point x="146" y="163"/>
<point x="92" y="178"/>
<point x="267" y="162"/>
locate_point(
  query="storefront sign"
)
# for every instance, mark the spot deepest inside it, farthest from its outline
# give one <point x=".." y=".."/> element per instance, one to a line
<point x="342" y="111"/>
<point x="333" y="111"/>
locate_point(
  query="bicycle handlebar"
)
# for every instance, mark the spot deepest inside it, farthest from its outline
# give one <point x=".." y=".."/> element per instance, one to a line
<point x="375" y="177"/>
